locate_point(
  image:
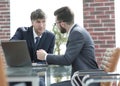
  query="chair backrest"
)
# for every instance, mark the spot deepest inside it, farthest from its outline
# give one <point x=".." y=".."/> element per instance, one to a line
<point x="3" y="81"/>
<point x="119" y="83"/>
<point x="110" y="61"/>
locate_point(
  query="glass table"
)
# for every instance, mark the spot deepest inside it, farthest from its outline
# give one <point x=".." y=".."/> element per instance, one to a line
<point x="52" y="74"/>
<point x="57" y="74"/>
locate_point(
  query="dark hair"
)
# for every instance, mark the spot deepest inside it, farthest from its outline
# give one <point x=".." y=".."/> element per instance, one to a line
<point x="37" y="14"/>
<point x="64" y="14"/>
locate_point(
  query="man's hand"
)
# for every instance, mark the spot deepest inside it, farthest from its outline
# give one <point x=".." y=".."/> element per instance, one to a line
<point x="41" y="54"/>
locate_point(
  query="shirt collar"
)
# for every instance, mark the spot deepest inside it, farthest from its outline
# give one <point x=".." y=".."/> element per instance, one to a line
<point x="34" y="34"/>
<point x="70" y="29"/>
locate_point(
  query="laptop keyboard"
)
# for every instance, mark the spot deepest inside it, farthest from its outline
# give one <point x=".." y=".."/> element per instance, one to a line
<point x="39" y="65"/>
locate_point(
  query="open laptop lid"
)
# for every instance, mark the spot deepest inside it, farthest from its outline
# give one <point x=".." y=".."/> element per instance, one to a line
<point x="16" y="53"/>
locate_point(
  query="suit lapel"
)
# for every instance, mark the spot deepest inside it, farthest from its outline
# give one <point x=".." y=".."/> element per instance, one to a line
<point x="41" y="42"/>
<point x="30" y="37"/>
<point x="42" y="39"/>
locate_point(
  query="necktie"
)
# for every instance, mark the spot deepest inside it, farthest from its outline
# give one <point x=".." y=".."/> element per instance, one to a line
<point x="37" y="41"/>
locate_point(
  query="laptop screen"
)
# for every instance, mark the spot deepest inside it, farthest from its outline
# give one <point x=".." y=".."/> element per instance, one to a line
<point x="16" y="53"/>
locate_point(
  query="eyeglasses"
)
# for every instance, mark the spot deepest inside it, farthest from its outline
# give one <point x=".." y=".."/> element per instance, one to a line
<point x="57" y="22"/>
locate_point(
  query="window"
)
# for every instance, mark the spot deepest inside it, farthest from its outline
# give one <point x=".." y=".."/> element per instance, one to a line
<point x="21" y="9"/>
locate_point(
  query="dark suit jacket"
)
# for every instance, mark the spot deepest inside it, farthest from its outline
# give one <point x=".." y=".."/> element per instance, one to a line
<point x="47" y="41"/>
<point x="79" y="51"/>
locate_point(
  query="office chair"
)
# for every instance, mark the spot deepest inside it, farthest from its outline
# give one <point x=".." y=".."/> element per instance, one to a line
<point x="78" y="76"/>
<point x="108" y="64"/>
<point x="119" y="83"/>
<point x="3" y="80"/>
<point x="110" y="59"/>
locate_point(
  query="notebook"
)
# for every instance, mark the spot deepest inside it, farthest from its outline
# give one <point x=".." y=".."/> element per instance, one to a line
<point x="17" y="54"/>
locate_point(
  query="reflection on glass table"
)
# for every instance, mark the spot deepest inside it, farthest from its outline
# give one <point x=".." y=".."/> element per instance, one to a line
<point x="58" y="73"/>
<point x="25" y="76"/>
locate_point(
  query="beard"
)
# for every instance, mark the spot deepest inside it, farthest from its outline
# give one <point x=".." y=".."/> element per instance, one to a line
<point x="62" y="30"/>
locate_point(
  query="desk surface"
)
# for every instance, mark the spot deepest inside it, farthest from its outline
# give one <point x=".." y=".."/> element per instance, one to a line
<point x="53" y="74"/>
<point x="58" y="73"/>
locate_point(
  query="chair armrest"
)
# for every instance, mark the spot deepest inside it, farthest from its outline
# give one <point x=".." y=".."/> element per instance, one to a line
<point x="108" y="77"/>
<point x="76" y="79"/>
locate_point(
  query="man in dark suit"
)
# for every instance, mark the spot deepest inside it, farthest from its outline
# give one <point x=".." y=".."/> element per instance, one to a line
<point x="46" y="38"/>
<point x="80" y="48"/>
<point x="36" y="33"/>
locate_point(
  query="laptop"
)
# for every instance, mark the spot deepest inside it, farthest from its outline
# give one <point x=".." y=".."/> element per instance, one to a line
<point x="17" y="54"/>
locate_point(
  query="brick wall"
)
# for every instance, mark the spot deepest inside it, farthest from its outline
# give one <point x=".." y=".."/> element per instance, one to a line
<point x="4" y="20"/>
<point x="99" y="20"/>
